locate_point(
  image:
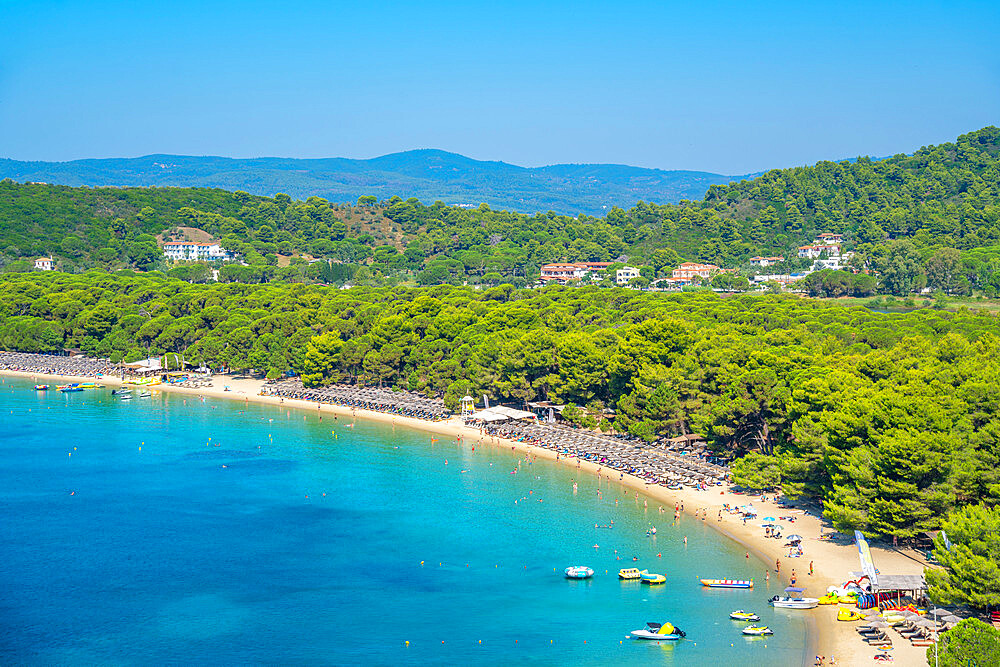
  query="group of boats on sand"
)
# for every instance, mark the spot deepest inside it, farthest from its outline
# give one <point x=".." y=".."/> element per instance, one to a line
<point x="124" y="394"/>
<point x="792" y="599"/>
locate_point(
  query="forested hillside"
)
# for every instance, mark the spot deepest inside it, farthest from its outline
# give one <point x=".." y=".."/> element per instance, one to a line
<point x="430" y="175"/>
<point x="928" y="219"/>
<point x="891" y="419"/>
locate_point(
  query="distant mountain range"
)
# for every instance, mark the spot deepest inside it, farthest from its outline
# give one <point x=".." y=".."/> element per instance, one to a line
<point x="429" y="175"/>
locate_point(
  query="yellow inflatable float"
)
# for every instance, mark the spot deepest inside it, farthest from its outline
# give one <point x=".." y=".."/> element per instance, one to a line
<point x="845" y="614"/>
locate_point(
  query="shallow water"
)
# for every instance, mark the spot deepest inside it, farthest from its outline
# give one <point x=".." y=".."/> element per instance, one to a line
<point x="171" y="530"/>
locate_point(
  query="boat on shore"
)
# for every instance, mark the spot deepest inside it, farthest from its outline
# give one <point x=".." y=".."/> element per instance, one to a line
<point x="578" y="572"/>
<point x="727" y="583"/>
<point x="659" y="632"/>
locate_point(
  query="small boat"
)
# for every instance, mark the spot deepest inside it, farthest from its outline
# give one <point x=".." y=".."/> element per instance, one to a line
<point x="630" y="573"/>
<point x="69" y="388"/>
<point x="145" y="394"/>
<point x="120" y="392"/>
<point x="757" y="630"/>
<point x="744" y="616"/>
<point x="41" y="387"/>
<point x="659" y="631"/>
<point x="727" y="583"/>
<point x="652" y="578"/>
<point x="787" y="602"/>
<point x="578" y="572"/>
<point x="126" y="397"/>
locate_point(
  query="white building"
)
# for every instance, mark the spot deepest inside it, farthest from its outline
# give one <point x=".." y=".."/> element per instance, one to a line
<point x="766" y="261"/>
<point x="44" y="264"/>
<point x="192" y="251"/>
<point x="829" y="237"/>
<point x="622" y="276"/>
<point x="814" y="251"/>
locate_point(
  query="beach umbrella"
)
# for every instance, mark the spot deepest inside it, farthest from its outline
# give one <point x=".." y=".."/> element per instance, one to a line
<point x="951" y="618"/>
<point x="938" y="611"/>
<point x="794" y="538"/>
<point x="878" y="623"/>
<point x="924" y="623"/>
<point x="769" y="518"/>
<point x="911" y="615"/>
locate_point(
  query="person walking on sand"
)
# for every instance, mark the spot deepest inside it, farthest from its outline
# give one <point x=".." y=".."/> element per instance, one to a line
<point x="792" y="578"/>
<point x="777" y="565"/>
<point x="810" y="568"/>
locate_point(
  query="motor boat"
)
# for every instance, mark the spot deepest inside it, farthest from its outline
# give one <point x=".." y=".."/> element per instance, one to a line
<point x="744" y="616"/>
<point x="757" y="630"/>
<point x="578" y="572"/>
<point x="652" y="578"/>
<point x="126" y="397"/>
<point x="630" y="573"/>
<point x="145" y="394"/>
<point x="792" y="600"/>
<point x="658" y="631"/>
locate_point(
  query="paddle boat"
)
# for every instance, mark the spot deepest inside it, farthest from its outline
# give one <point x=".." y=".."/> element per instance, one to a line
<point x="792" y="600"/>
<point x="829" y="598"/>
<point x="630" y="573"/>
<point x="658" y="631"/>
<point x="578" y="572"/>
<point x="744" y="616"/>
<point x="757" y="630"/>
<point x="652" y="578"/>
<point x="727" y="583"/>
<point x="845" y="614"/>
<point x="41" y="387"/>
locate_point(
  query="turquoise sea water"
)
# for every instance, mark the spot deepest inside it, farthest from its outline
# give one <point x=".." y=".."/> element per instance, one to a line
<point x="175" y="531"/>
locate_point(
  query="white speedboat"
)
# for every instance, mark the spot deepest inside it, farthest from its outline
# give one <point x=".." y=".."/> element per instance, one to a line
<point x="787" y="602"/>
<point x="578" y="572"/>
<point x="659" y="632"/>
<point x="744" y="616"/>
<point x="757" y="630"/>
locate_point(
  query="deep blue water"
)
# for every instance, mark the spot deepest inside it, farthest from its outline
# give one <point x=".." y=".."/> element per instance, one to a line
<point x="175" y="531"/>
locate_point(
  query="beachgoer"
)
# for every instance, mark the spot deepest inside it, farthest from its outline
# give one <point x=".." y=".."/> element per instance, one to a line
<point x="792" y="578"/>
<point x="685" y="539"/>
<point x="767" y="575"/>
<point x="748" y="555"/>
<point x="810" y="567"/>
<point x="777" y="565"/>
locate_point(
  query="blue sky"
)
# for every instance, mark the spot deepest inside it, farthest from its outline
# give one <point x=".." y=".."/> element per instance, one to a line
<point x="729" y="87"/>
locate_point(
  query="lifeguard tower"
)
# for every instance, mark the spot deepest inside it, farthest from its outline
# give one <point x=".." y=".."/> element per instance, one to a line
<point x="468" y="407"/>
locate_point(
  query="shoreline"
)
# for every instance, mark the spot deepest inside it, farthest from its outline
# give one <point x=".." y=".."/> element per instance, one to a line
<point x="833" y="561"/>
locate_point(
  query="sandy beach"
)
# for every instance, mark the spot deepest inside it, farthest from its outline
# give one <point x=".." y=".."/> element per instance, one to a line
<point x="832" y="560"/>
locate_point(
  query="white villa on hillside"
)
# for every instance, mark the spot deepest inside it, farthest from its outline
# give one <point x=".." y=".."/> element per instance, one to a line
<point x="192" y="251"/>
<point x="44" y="264"/>
<point x="622" y="276"/>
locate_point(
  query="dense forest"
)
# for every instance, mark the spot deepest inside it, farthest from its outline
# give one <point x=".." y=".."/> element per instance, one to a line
<point x="893" y="420"/>
<point x="927" y="219"/>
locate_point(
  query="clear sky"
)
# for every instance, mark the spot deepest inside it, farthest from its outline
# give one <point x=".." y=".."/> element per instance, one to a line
<point x="728" y="87"/>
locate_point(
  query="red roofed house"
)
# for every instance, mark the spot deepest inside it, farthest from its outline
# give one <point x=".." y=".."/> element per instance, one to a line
<point x="563" y="273"/>
<point x="689" y="270"/>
